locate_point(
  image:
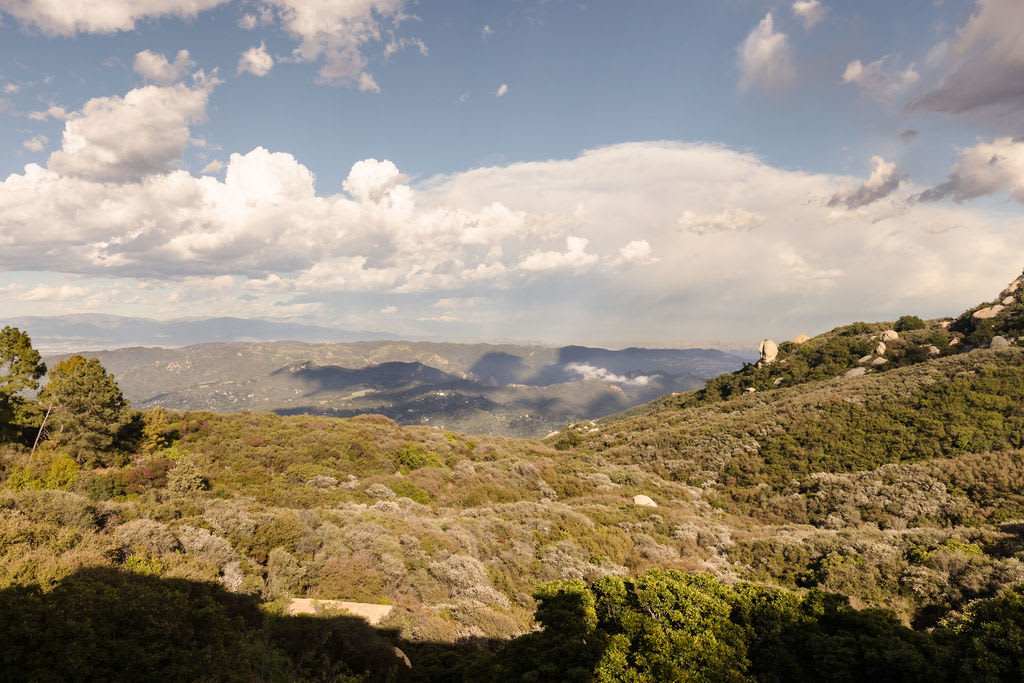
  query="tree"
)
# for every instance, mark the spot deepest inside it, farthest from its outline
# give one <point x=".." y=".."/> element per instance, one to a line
<point x="908" y="323"/>
<point x="20" y="370"/>
<point x="88" y="408"/>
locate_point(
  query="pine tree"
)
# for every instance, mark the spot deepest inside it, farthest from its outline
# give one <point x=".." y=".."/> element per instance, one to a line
<point x="88" y="408"/>
<point x="20" y="370"/>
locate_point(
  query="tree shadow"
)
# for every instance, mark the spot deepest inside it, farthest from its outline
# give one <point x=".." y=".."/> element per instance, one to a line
<point x="102" y="624"/>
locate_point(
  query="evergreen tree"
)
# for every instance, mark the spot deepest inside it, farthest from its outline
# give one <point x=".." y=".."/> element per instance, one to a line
<point x="88" y="408"/>
<point x="20" y="370"/>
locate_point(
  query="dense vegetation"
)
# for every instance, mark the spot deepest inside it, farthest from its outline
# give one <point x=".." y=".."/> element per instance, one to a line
<point x="830" y="528"/>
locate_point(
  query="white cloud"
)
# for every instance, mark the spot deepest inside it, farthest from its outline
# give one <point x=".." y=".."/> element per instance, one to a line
<point x="51" y="112"/>
<point x="389" y="310"/>
<point x="256" y="61"/>
<point x="811" y="12"/>
<point x="367" y="83"/>
<point x="486" y="31"/>
<point x="594" y="373"/>
<point x="263" y="232"/>
<point x="636" y="252"/>
<point x="985" y="62"/>
<point x="157" y="68"/>
<point x="879" y="80"/>
<point x="885" y="179"/>
<point x="765" y="58"/>
<point x="52" y="293"/>
<point x="986" y="168"/>
<point x="214" y="167"/>
<point x="369" y="180"/>
<point x="11" y="88"/>
<point x="36" y="143"/>
<point x="66" y="18"/>
<point x="733" y="219"/>
<point x="502" y="90"/>
<point x="336" y="33"/>
<point x="126" y="138"/>
<point x="575" y="256"/>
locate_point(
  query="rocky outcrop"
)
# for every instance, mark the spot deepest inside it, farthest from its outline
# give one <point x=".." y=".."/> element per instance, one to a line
<point x="769" y="351"/>
<point x="855" y="372"/>
<point x="890" y="335"/>
<point x="988" y="312"/>
<point x="880" y="349"/>
<point x="801" y="339"/>
<point x="999" y="342"/>
<point x="644" y="501"/>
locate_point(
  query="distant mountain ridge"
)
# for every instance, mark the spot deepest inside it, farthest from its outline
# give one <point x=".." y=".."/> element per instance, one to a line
<point x="95" y="331"/>
<point x="482" y="388"/>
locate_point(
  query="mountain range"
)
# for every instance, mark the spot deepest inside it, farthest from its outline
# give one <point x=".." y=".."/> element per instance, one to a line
<point x="479" y="388"/>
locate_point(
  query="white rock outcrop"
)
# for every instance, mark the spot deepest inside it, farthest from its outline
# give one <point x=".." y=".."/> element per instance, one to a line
<point x="769" y="351"/>
<point x="644" y="501"/>
<point x="988" y="313"/>
<point x="855" y="372"/>
<point x="879" y="361"/>
<point x="801" y="339"/>
<point x="934" y="351"/>
<point x="880" y="349"/>
<point x="890" y="335"/>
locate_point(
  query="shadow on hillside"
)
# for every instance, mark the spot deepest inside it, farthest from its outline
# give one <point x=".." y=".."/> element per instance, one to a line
<point x="101" y="624"/>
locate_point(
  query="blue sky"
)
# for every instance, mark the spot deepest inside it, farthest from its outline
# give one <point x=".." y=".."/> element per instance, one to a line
<point x="774" y="134"/>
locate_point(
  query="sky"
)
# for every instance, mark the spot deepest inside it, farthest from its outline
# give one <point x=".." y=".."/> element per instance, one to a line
<point x="562" y="171"/>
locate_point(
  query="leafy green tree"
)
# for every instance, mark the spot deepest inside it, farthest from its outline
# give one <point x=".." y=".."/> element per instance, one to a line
<point x="20" y="370"/>
<point x="907" y="323"/>
<point x="988" y="638"/>
<point x="89" y="410"/>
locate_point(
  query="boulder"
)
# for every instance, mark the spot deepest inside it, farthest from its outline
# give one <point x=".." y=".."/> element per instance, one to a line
<point x="879" y="361"/>
<point x="769" y="351"/>
<point x="890" y="335"/>
<point x="864" y="360"/>
<point x="934" y="351"/>
<point x="955" y="341"/>
<point x="801" y="339"/>
<point x="999" y="342"/>
<point x="945" y="324"/>
<point x="880" y="349"/>
<point x="751" y="390"/>
<point x="644" y="501"/>
<point x="1008" y="301"/>
<point x="855" y="372"/>
<point x="988" y="313"/>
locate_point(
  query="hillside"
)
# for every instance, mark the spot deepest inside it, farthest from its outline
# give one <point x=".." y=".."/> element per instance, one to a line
<point x="840" y="526"/>
<point x="478" y="388"/>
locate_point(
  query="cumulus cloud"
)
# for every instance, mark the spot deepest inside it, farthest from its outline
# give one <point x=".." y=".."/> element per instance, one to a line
<point x="156" y="67"/>
<point x="51" y="112"/>
<point x="575" y="256"/>
<point x="765" y="58"/>
<point x="594" y="373"/>
<point x="370" y="179"/>
<point x="337" y="34"/>
<point x="984" y="64"/>
<point x="36" y="143"/>
<point x="986" y="168"/>
<point x="214" y="167"/>
<point x="98" y="16"/>
<point x="637" y="252"/>
<point x="885" y="179"/>
<point x="811" y="12"/>
<point x="256" y="61"/>
<point x="367" y="83"/>
<point x="122" y="139"/>
<point x="502" y="90"/>
<point x="262" y="240"/>
<point x="727" y="220"/>
<point x="879" y="79"/>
